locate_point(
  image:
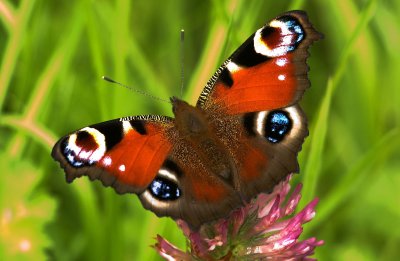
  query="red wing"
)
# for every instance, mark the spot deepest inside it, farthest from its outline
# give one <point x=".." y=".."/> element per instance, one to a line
<point x="267" y="149"/>
<point x="195" y="193"/>
<point x="268" y="71"/>
<point x="123" y="153"/>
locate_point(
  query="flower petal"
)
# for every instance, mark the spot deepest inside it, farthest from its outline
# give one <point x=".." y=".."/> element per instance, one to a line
<point x="267" y="219"/>
<point x="169" y="251"/>
<point x="262" y="229"/>
<point x="293" y="200"/>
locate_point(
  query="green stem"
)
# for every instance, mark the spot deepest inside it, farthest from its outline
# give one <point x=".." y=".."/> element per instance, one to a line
<point x="29" y="128"/>
<point x="211" y="53"/>
<point x="7" y="15"/>
<point x="314" y="162"/>
<point x="43" y="86"/>
<point x="13" y="47"/>
<point x="353" y="181"/>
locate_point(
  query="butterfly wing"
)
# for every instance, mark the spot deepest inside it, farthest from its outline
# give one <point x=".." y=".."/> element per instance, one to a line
<point x="267" y="71"/>
<point x="266" y="147"/>
<point x="145" y="155"/>
<point x="258" y="89"/>
<point x="202" y="196"/>
<point x="125" y="153"/>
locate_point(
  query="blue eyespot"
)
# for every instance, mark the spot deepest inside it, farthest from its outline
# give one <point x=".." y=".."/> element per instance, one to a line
<point x="164" y="189"/>
<point x="295" y="27"/>
<point x="70" y="155"/>
<point x="277" y="125"/>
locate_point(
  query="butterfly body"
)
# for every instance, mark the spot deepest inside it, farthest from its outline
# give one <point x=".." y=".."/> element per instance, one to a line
<point x="241" y="138"/>
<point x="197" y="132"/>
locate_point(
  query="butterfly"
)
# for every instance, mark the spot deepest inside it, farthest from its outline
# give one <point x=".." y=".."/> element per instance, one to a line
<point x="242" y="137"/>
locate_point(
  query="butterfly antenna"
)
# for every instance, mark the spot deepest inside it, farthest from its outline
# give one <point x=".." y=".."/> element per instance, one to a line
<point x="108" y="79"/>
<point x="182" y="60"/>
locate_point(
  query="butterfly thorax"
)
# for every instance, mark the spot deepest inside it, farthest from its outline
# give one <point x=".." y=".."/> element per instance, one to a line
<point x="189" y="120"/>
<point x="195" y="129"/>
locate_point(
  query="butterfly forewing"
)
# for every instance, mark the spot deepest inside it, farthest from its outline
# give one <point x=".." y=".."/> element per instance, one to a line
<point x="268" y="71"/>
<point x="125" y="153"/>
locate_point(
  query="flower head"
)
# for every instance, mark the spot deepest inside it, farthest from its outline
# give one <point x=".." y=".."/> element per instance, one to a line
<point x="264" y="229"/>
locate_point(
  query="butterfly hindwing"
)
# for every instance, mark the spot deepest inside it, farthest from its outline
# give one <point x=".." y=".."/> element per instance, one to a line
<point x="278" y="136"/>
<point x="203" y="196"/>
<point x="263" y="146"/>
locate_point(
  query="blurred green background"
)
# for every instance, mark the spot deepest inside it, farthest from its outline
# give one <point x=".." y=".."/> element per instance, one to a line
<point x="53" y="54"/>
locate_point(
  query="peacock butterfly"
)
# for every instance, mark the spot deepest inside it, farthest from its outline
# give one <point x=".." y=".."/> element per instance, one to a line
<point x="240" y="139"/>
